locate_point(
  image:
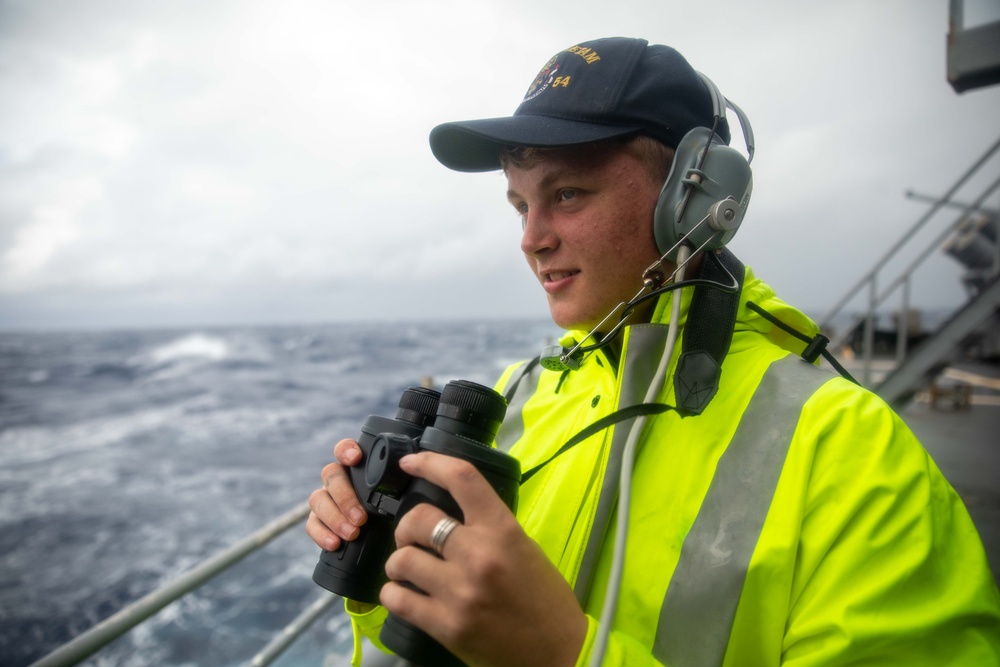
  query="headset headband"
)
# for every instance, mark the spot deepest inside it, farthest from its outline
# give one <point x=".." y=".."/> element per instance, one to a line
<point x="719" y="104"/>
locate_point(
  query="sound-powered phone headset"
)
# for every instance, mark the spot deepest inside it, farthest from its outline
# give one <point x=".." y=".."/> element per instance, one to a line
<point x="702" y="204"/>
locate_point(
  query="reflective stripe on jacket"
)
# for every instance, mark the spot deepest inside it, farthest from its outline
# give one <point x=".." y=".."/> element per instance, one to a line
<point x="796" y="521"/>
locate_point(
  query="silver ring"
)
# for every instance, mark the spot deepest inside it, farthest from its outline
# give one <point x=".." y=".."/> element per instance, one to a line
<point x="441" y="532"/>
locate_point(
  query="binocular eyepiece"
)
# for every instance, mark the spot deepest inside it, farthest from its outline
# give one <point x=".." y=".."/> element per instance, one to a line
<point x="462" y="421"/>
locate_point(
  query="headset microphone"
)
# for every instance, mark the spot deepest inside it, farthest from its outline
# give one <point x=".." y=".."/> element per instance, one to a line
<point x="558" y="358"/>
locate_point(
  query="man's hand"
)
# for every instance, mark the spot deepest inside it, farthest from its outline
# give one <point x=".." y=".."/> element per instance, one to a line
<point x="494" y="598"/>
<point x="337" y="513"/>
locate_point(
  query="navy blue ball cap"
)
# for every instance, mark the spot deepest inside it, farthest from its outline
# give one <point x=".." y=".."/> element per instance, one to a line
<point x="596" y="90"/>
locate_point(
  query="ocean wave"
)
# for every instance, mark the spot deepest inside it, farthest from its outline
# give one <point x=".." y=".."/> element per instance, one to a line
<point x="191" y="346"/>
<point x="128" y="457"/>
<point x="194" y="353"/>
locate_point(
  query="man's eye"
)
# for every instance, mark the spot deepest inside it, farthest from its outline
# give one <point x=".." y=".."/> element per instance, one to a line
<point x="566" y="194"/>
<point x="522" y="213"/>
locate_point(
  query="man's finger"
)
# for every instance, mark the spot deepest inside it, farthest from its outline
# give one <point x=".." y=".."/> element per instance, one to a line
<point x="418" y="526"/>
<point x="461" y="479"/>
<point x="321" y="534"/>
<point x="337" y="483"/>
<point x="347" y="452"/>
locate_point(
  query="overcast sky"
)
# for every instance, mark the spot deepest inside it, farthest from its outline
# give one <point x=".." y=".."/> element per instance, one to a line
<point x="193" y="163"/>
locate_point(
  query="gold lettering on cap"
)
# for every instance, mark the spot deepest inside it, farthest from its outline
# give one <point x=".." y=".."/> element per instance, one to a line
<point x="585" y="52"/>
<point x="561" y="81"/>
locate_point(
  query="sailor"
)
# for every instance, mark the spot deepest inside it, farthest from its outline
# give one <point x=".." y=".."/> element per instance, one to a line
<point x="771" y="513"/>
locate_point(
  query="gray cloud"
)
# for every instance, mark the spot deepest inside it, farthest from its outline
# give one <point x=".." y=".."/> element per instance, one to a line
<point x="188" y="163"/>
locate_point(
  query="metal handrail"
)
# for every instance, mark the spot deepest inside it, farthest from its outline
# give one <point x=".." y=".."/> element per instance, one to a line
<point x="292" y="631"/>
<point x="941" y="238"/>
<point x="870" y="279"/>
<point x="904" y="275"/>
<point x="916" y="196"/>
<point x="83" y="646"/>
<point x="944" y="199"/>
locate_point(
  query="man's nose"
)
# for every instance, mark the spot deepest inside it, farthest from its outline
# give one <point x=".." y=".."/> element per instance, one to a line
<point x="538" y="236"/>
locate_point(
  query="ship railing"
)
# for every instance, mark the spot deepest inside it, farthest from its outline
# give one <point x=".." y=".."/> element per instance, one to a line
<point x="878" y="289"/>
<point x="90" y="642"/>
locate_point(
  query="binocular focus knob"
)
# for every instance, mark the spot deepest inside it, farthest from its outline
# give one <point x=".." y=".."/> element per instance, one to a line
<point x="382" y="472"/>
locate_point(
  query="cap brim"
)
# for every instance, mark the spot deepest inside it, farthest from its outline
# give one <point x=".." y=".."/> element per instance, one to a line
<point x="474" y="145"/>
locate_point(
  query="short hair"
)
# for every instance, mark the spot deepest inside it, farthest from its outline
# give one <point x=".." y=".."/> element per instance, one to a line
<point x="656" y="156"/>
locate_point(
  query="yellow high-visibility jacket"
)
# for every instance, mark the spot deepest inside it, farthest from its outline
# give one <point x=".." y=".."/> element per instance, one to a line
<point x="796" y="521"/>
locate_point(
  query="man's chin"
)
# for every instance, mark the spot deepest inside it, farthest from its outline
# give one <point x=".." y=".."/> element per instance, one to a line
<point x="570" y="323"/>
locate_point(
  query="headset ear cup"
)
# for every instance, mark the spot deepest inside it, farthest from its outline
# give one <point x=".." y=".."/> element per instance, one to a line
<point x="725" y="174"/>
<point x="667" y="214"/>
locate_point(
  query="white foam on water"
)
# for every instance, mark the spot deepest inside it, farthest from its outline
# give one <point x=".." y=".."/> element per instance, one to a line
<point x="191" y="346"/>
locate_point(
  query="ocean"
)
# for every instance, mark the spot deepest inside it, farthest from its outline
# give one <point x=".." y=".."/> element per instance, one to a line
<point x="128" y="457"/>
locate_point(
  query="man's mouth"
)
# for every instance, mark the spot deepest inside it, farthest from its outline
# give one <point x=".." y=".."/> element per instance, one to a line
<point x="553" y="276"/>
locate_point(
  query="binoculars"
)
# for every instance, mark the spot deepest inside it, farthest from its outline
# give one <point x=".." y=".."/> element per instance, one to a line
<point x="461" y="421"/>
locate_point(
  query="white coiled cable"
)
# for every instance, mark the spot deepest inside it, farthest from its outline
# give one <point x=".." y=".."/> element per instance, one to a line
<point x="625" y="479"/>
